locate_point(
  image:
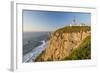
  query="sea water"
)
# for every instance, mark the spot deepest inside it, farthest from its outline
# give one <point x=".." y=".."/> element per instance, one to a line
<point x="33" y="44"/>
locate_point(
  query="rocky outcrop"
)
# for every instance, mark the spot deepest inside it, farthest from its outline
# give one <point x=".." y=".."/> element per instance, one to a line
<point x="62" y="42"/>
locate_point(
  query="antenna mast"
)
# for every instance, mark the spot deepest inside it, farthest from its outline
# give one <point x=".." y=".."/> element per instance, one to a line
<point x="74" y="21"/>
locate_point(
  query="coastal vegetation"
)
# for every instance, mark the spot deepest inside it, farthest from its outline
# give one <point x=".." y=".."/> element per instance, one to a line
<point x="68" y="43"/>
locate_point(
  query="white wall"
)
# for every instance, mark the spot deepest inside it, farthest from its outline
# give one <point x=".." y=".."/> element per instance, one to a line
<point x="5" y="37"/>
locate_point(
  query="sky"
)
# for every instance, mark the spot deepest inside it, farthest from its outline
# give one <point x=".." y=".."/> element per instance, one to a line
<point x="51" y="20"/>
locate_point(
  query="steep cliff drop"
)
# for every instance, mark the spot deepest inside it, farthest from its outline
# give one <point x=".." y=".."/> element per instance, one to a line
<point x="63" y="42"/>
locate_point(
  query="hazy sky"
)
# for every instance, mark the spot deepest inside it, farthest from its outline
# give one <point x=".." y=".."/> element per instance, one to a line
<point x="50" y="20"/>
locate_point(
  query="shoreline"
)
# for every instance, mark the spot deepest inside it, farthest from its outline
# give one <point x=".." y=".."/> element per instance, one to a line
<point x="29" y="57"/>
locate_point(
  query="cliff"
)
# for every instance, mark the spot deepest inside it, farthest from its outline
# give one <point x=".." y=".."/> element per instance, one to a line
<point x="63" y="41"/>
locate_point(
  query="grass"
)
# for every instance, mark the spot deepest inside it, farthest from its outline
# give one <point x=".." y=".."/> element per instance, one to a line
<point x="74" y="29"/>
<point x="82" y="52"/>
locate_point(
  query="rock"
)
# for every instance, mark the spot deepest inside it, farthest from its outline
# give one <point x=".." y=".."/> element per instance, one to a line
<point x="61" y="45"/>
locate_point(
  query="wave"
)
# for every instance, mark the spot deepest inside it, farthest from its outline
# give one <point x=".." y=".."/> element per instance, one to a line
<point x="31" y="56"/>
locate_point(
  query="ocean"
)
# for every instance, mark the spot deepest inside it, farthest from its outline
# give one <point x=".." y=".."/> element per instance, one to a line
<point x="32" y="40"/>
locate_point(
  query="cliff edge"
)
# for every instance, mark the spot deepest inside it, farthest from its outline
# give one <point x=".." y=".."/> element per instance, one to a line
<point x="63" y="42"/>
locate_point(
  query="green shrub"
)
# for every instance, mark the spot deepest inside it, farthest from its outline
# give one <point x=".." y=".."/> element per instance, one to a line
<point x="82" y="52"/>
<point x="74" y="29"/>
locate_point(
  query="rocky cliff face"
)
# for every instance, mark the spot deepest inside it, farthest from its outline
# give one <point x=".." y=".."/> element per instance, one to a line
<point x="62" y="42"/>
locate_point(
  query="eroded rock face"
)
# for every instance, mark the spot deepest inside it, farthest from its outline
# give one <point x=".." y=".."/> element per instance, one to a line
<point x="61" y="44"/>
